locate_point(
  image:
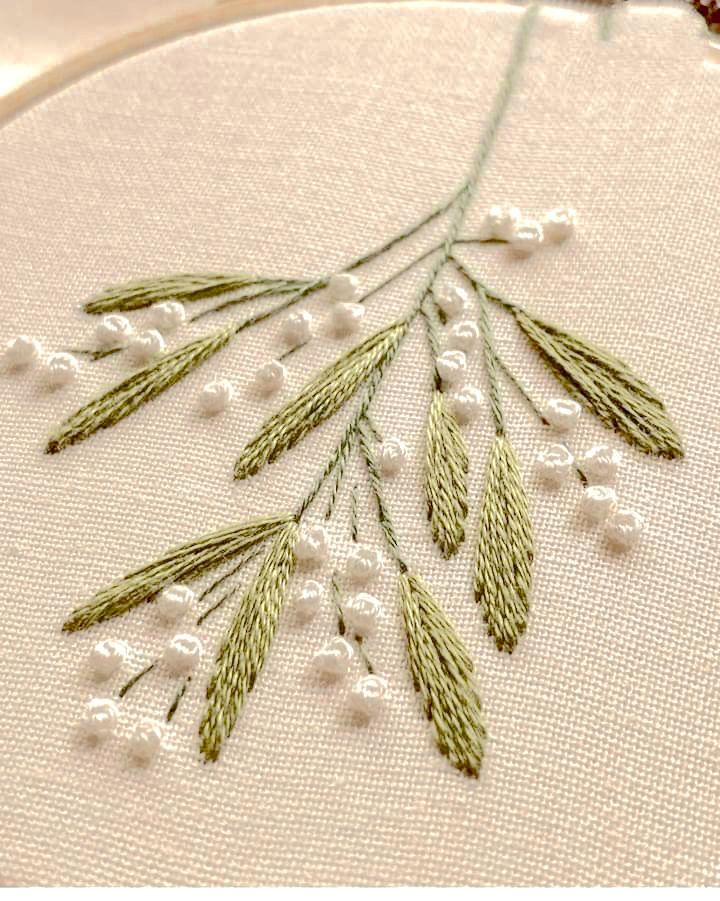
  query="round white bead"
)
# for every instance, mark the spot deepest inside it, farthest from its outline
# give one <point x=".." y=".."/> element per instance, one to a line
<point x="361" y="614"/>
<point x="501" y="221"/>
<point x="146" y="346"/>
<point x="452" y="301"/>
<point x="113" y="331"/>
<point x="173" y="602"/>
<point x="334" y="659"/>
<point x="308" y="599"/>
<point x="467" y="404"/>
<point x="313" y="545"/>
<point x="146" y="739"/>
<point x="183" y="654"/>
<point x="61" y="369"/>
<point x="562" y="413"/>
<point x="363" y="565"/>
<point x="107" y="657"/>
<point x="297" y="327"/>
<point x="528" y="237"/>
<point x="598" y="502"/>
<point x="559" y="224"/>
<point x="623" y="528"/>
<point x="167" y="316"/>
<point x="554" y="464"/>
<point x="464" y="336"/>
<point x="21" y="352"/>
<point x="600" y="464"/>
<point x="451" y="366"/>
<point x="392" y="455"/>
<point x="270" y="377"/>
<point x="100" y="718"/>
<point x="343" y="287"/>
<point x="346" y="318"/>
<point x="216" y="396"/>
<point x="367" y="697"/>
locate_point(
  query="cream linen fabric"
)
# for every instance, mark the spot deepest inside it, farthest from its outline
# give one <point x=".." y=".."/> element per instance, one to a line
<point x="290" y="145"/>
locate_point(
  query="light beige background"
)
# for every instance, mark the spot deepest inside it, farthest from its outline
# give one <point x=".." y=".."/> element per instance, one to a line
<point x="290" y="145"/>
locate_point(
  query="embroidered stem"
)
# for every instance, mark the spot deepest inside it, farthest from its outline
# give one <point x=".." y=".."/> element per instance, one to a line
<point x="365" y="438"/>
<point x="178" y="697"/>
<point x="521" y="389"/>
<point x="136" y="678"/>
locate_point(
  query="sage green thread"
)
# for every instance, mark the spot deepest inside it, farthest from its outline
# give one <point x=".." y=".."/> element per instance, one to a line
<point x="186" y="287"/>
<point x="604" y="385"/>
<point x="354" y="513"/>
<point x="172" y="710"/>
<point x="136" y="678"/>
<point x="322" y="397"/>
<point x="245" y="558"/>
<point x="445" y="477"/>
<point x="124" y="398"/>
<point x="503" y="574"/>
<point x="442" y="673"/>
<point x="605" y="23"/>
<point x="247" y="643"/>
<point x="521" y="389"/>
<point x="181" y="563"/>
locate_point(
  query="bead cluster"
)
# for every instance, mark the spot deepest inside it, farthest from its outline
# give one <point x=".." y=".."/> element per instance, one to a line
<point x="180" y="657"/>
<point x="525" y="235"/>
<point x="361" y="613"/>
<point x="598" y="468"/>
<point x="462" y="341"/>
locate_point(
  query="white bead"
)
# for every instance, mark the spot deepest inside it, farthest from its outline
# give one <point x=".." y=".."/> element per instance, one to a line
<point x="173" y="602"/>
<point x="363" y="565"/>
<point x="367" y="697"/>
<point x="100" y="718"/>
<point x="308" y="599"/>
<point x="392" y="455"/>
<point x="167" y="316"/>
<point x="346" y="318"/>
<point x="61" y="369"/>
<point x="467" y="404"/>
<point x="146" y="739"/>
<point x="343" y="287"/>
<point x="559" y="224"/>
<point x="297" y="327"/>
<point x="600" y="464"/>
<point x="562" y="413"/>
<point x="334" y="659"/>
<point x="216" y="396"/>
<point x="113" y="331"/>
<point x="146" y="346"/>
<point x="183" y="654"/>
<point x="312" y="546"/>
<point x="21" y="352"/>
<point x="270" y="377"/>
<point x="107" y="657"/>
<point x="554" y="464"/>
<point x="502" y="220"/>
<point x="598" y="502"/>
<point x="464" y="336"/>
<point x="451" y="366"/>
<point x="528" y="237"/>
<point x="452" y="301"/>
<point x="361" y="614"/>
<point x="624" y="528"/>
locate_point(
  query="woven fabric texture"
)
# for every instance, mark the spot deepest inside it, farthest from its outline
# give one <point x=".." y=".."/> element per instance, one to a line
<point x="290" y="145"/>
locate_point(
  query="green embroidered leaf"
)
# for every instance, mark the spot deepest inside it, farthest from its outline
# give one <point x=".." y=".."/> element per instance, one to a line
<point x="320" y="399"/>
<point x="605" y="385"/>
<point x="186" y="287"/>
<point x="443" y="674"/>
<point x="503" y="573"/>
<point x="125" y="397"/>
<point x="446" y="469"/>
<point x="181" y="563"/>
<point x="247" y="642"/>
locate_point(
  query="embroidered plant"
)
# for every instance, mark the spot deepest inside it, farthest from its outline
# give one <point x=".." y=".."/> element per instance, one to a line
<point x="456" y="322"/>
